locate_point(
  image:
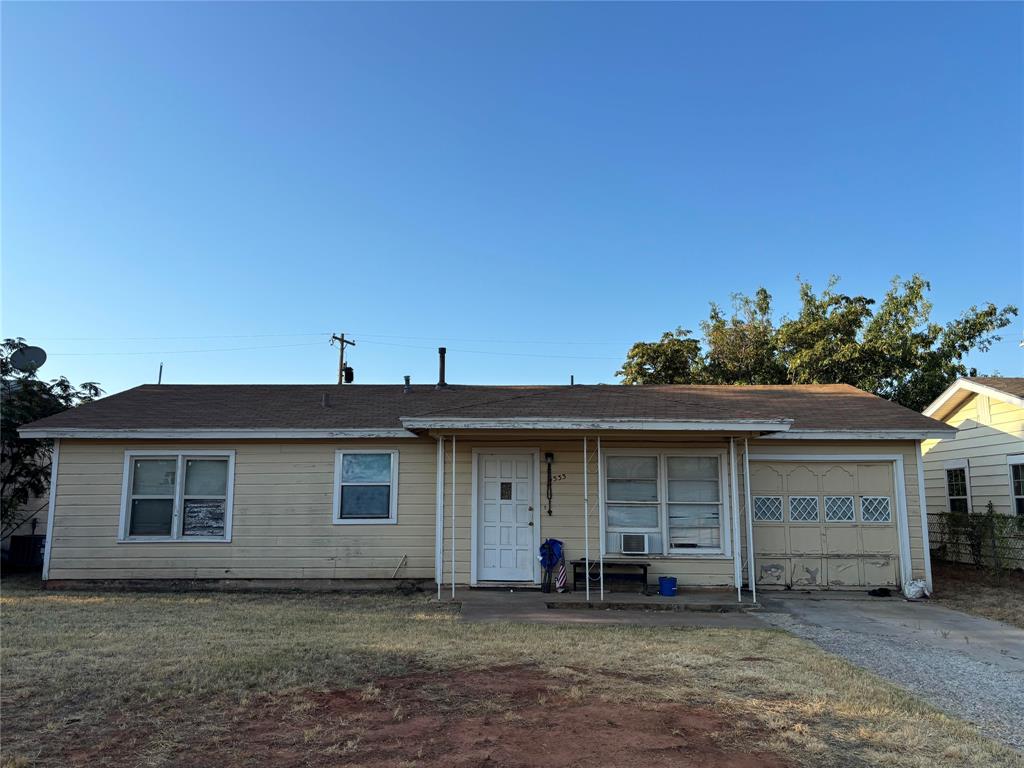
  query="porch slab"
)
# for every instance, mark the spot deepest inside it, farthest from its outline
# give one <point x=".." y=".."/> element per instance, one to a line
<point x="535" y="607"/>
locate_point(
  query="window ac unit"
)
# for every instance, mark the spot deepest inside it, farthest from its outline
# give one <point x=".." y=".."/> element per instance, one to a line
<point x="634" y="543"/>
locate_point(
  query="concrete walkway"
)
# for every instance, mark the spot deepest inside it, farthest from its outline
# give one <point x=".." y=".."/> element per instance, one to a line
<point x="971" y="667"/>
<point x="493" y="605"/>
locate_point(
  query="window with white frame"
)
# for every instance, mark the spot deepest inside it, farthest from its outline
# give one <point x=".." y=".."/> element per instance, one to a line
<point x="676" y="499"/>
<point x="1016" y="465"/>
<point x="177" y="496"/>
<point x="694" y="502"/>
<point x="958" y="487"/>
<point x="365" y="487"/>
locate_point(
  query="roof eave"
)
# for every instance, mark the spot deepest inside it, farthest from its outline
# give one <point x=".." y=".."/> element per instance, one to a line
<point x="636" y="425"/>
<point x="959" y="390"/>
<point x="864" y="434"/>
<point x="89" y="433"/>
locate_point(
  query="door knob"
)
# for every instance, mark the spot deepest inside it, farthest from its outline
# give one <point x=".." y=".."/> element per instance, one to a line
<point x="531" y="523"/>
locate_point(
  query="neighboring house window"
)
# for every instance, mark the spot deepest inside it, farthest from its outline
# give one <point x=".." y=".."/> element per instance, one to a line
<point x="958" y="487"/>
<point x="677" y="499"/>
<point x="177" y="496"/>
<point x="365" y="487"/>
<point x="1017" y="483"/>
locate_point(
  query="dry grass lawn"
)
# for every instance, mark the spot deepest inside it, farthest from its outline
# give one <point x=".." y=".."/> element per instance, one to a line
<point x="982" y="593"/>
<point x="212" y="679"/>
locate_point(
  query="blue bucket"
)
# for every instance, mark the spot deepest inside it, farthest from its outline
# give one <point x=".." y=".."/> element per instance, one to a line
<point x="667" y="586"/>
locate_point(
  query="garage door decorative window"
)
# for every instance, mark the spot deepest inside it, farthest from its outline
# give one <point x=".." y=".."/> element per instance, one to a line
<point x="768" y="509"/>
<point x="839" y="509"/>
<point x="803" y="509"/>
<point x="875" y="509"/>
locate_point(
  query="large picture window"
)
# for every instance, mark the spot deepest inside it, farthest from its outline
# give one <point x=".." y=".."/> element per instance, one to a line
<point x="179" y="496"/>
<point x="365" y="487"/>
<point x="676" y="499"/>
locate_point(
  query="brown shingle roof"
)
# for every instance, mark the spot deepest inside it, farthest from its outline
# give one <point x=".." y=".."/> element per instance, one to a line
<point x="373" y="406"/>
<point x="1011" y="386"/>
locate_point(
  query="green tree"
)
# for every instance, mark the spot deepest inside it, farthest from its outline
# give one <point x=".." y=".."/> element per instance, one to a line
<point x="25" y="464"/>
<point x="743" y="349"/>
<point x="890" y="347"/>
<point x="675" y="359"/>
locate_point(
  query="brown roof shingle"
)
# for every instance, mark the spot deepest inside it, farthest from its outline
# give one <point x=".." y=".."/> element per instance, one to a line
<point x="1009" y="385"/>
<point x="376" y="406"/>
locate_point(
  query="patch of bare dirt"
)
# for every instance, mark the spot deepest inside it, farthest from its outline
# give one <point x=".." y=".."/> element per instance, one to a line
<point x="507" y="716"/>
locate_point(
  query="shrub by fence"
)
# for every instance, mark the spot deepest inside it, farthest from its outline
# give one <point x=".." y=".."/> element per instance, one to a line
<point x="983" y="538"/>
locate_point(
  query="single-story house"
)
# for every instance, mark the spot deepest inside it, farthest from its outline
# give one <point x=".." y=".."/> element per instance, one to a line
<point x="806" y="486"/>
<point x="983" y="460"/>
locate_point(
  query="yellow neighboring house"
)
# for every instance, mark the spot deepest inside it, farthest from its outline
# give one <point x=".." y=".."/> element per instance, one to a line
<point x="984" y="460"/>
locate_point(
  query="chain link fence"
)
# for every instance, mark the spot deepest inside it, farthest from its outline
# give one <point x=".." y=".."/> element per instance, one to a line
<point x="984" y="539"/>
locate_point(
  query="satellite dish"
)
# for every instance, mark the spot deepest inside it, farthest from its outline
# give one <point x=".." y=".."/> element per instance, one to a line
<point x="28" y="359"/>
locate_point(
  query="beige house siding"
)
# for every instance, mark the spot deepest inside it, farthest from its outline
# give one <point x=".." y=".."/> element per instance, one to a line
<point x="282" y="520"/>
<point x="988" y="430"/>
<point x="283" y="495"/>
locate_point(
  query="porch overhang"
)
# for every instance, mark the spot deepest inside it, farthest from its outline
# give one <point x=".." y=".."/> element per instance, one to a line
<point x="762" y="426"/>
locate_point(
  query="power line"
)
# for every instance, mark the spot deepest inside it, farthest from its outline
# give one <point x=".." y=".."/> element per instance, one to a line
<point x="176" y="338"/>
<point x="493" y="352"/>
<point x="294" y="346"/>
<point x="179" y="351"/>
<point x="438" y="338"/>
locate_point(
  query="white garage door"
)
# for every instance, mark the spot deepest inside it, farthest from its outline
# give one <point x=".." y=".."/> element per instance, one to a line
<point x="824" y="524"/>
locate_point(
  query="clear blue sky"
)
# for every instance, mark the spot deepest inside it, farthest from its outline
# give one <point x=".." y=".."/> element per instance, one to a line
<point x="537" y="186"/>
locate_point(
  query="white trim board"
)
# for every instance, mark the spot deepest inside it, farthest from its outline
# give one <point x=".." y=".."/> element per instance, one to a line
<point x="899" y="481"/>
<point x="855" y="434"/>
<point x="923" y="509"/>
<point x="951" y="397"/>
<point x="51" y="509"/>
<point x="212" y="434"/>
<point x="724" y="425"/>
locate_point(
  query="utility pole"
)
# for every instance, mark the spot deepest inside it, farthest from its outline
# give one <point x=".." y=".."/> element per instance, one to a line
<point x="343" y="372"/>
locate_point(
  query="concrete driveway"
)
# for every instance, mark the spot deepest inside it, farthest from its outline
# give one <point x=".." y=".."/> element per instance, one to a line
<point x="971" y="667"/>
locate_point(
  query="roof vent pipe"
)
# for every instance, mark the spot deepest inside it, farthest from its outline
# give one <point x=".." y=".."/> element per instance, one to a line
<point x="440" y="372"/>
<point x="325" y="400"/>
<point x="408" y="384"/>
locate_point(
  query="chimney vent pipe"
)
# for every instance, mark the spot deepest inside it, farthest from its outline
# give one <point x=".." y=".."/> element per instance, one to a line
<point x="440" y="373"/>
<point x="408" y="384"/>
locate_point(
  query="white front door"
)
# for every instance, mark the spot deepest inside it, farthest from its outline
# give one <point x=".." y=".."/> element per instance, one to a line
<point x="505" y="527"/>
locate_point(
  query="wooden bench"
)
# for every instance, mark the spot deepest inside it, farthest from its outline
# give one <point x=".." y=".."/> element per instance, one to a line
<point x="579" y="571"/>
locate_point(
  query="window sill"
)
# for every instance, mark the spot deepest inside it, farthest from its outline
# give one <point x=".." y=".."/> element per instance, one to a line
<point x="671" y="557"/>
<point x="389" y="521"/>
<point x="169" y="540"/>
